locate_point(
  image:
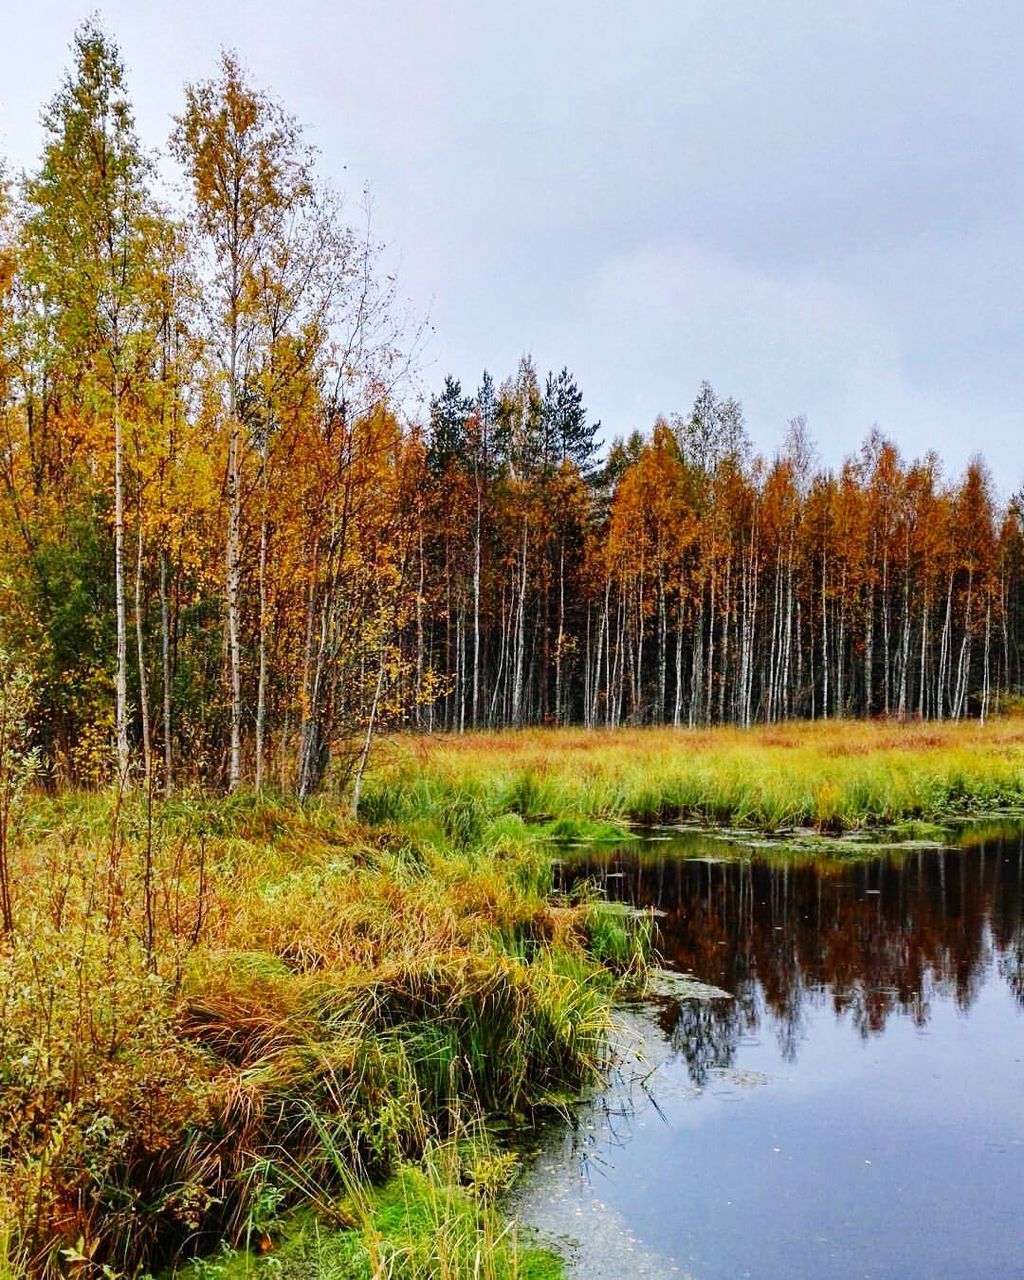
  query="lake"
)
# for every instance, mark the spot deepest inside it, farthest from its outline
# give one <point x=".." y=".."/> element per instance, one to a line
<point x="855" y="1108"/>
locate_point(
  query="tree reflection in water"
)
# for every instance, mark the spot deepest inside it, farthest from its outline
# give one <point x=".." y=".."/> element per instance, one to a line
<point x="874" y="937"/>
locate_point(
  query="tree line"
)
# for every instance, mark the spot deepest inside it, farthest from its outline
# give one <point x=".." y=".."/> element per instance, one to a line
<point x="684" y="580"/>
<point x="227" y="552"/>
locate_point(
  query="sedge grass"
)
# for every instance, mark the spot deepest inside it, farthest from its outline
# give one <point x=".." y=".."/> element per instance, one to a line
<point x="834" y="775"/>
<point x="429" y="1221"/>
<point x="191" y="1009"/>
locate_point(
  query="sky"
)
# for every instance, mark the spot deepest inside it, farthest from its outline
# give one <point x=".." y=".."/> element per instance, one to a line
<point x="816" y="207"/>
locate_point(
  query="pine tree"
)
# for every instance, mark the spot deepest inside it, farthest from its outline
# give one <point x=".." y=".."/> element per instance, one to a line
<point x="449" y="414"/>
<point x="568" y="436"/>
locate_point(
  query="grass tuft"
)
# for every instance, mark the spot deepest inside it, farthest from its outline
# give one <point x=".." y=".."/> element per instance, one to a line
<point x="251" y="1007"/>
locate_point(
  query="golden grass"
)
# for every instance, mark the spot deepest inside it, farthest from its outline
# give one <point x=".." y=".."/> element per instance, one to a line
<point x="832" y="774"/>
<point x="293" y="996"/>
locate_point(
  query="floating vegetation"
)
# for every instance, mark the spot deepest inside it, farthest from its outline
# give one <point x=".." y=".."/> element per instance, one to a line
<point x="683" y="986"/>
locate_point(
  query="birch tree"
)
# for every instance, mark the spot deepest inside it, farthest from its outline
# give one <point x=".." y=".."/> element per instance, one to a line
<point x="248" y="169"/>
<point x="89" y="225"/>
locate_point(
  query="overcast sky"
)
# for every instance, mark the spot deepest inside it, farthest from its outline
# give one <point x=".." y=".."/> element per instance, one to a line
<point x="818" y="207"/>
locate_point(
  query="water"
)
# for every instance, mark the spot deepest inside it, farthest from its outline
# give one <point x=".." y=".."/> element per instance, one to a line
<point x="856" y="1109"/>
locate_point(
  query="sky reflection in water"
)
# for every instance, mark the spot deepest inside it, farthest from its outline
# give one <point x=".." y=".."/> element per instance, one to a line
<point x="857" y="1110"/>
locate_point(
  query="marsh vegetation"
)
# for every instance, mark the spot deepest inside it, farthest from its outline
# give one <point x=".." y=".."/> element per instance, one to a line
<point x="219" y="1010"/>
<point x="832" y="775"/>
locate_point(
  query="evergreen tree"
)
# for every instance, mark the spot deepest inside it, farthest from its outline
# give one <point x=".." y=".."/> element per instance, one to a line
<point x="485" y="413"/>
<point x="568" y="436"/>
<point x="449" y="414"/>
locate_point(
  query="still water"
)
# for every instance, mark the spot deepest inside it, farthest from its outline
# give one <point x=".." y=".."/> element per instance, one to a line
<point x="855" y="1108"/>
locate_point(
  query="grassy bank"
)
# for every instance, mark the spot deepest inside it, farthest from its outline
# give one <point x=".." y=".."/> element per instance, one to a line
<point x="219" y="1011"/>
<point x="834" y="775"/>
<point x="247" y="1030"/>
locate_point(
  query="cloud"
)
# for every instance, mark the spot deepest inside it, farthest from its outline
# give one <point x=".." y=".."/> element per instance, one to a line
<point x="818" y="208"/>
<point x="649" y="324"/>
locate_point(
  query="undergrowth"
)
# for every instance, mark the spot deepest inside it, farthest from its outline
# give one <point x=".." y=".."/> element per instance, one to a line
<point x="215" y="1013"/>
<point x="433" y="1220"/>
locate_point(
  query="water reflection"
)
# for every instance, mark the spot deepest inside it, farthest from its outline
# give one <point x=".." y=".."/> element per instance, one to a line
<point x="780" y="1134"/>
<point x="871" y="938"/>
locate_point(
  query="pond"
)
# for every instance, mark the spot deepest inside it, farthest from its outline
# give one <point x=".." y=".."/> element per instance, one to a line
<point x="854" y="1108"/>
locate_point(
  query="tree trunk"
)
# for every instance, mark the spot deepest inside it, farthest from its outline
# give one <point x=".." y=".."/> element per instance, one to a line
<point x="985" y="673"/>
<point x="517" y="688"/>
<point x="121" y="675"/>
<point x="165" y="651"/>
<point x="922" y="697"/>
<point x="233" y="550"/>
<point x="662" y="648"/>
<point x="364" y="754"/>
<point x="419" y="631"/>
<point x="147" y="741"/>
<point x="824" y="637"/>
<point x="261" y="686"/>
<point x="560" y="641"/>
<point x="941" y="692"/>
<point x="476" y="606"/>
<point x="677" y="707"/>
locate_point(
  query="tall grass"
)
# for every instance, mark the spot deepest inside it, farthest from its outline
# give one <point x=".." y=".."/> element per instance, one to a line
<point x="14" y="1261"/>
<point x="221" y="1010"/>
<point x="244" y="1007"/>
<point x="433" y="1220"/>
<point x="833" y="775"/>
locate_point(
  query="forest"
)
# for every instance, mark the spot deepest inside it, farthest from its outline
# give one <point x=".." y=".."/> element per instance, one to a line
<point x="294" y="967"/>
<point x="235" y="543"/>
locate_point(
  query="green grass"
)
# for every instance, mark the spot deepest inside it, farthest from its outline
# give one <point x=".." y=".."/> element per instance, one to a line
<point x="422" y="1224"/>
<point x="297" y="1007"/>
<point x="833" y="775"/>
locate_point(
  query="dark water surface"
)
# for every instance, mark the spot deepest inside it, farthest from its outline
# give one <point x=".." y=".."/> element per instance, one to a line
<point x="856" y="1109"/>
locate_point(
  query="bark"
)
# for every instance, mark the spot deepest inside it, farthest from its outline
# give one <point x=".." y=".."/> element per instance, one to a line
<point x="677" y="706"/>
<point x="662" y="649"/>
<point x="140" y="641"/>
<point x="476" y="604"/>
<point x="824" y="637"/>
<point x="986" y="675"/>
<point x="165" y="653"/>
<point x="923" y="692"/>
<point x="121" y="674"/>
<point x="233" y="548"/>
<point x="517" y="688"/>
<point x="560" y="640"/>
<point x="261" y="685"/>
<point x="364" y="754"/>
<point x="419" y="630"/>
